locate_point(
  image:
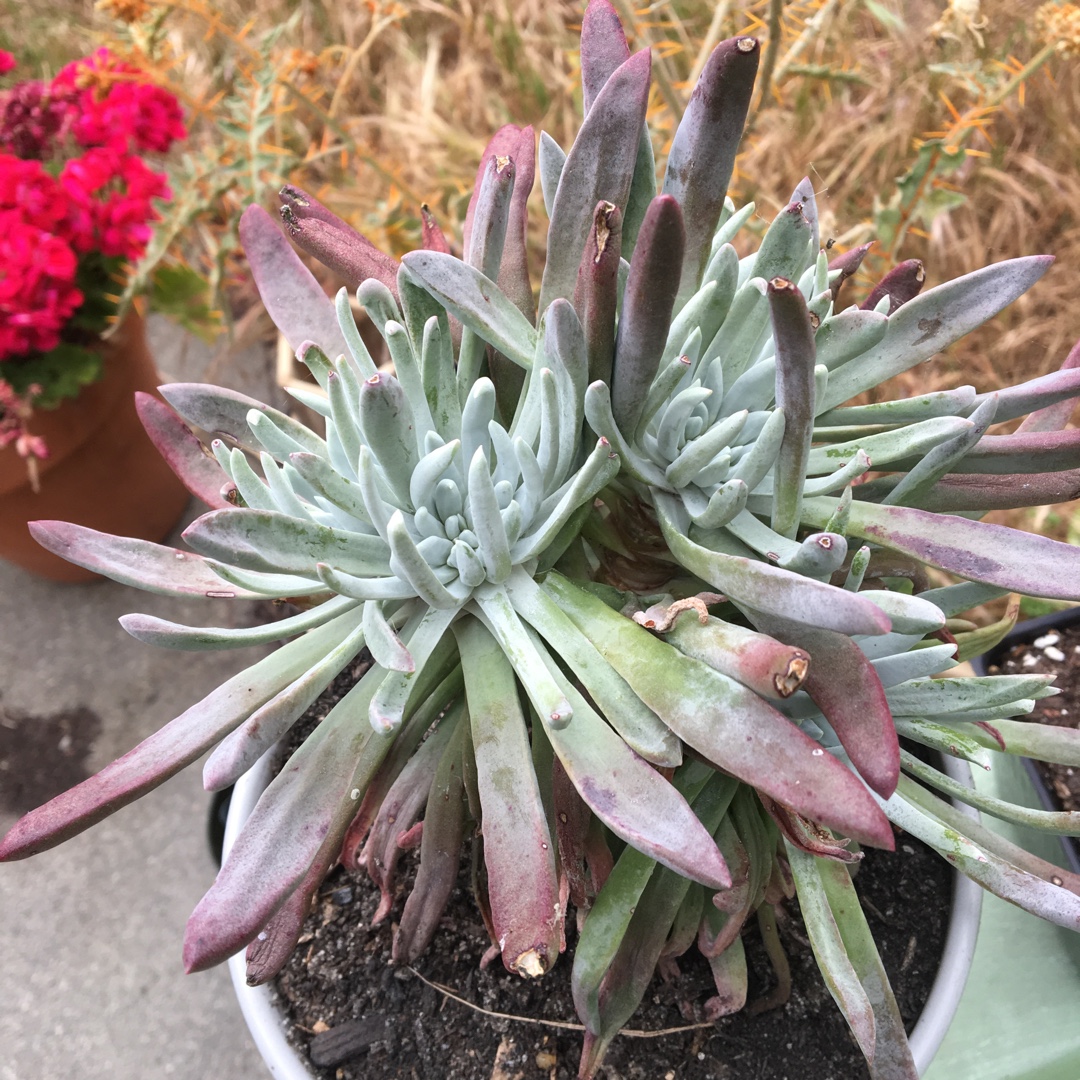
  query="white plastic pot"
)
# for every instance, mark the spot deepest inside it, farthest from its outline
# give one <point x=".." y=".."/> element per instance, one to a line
<point x="267" y="1023"/>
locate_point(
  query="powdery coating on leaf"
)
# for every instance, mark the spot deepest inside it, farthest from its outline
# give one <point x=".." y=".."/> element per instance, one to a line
<point x="600" y="165"/>
<point x="294" y="299"/>
<point x="200" y="474"/>
<point x="706" y="141"/>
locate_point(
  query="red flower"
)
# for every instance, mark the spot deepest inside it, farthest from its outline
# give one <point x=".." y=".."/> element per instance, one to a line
<point x="102" y="201"/>
<point x="110" y="202"/>
<point x="7" y="62"/>
<point x="118" y="108"/>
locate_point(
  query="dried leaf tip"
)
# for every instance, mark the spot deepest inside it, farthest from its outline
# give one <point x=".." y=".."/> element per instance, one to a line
<point x="790" y="681"/>
<point x="780" y="284"/>
<point x="746" y="44"/>
<point x="292" y="194"/>
<point x="529" y="964"/>
<point x="603" y="228"/>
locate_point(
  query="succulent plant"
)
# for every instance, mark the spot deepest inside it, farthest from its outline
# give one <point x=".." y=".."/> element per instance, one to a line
<point x="601" y="552"/>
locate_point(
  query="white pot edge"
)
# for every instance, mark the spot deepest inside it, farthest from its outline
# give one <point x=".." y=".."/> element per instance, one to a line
<point x="960" y="939"/>
<point x="264" y="1020"/>
<point x="267" y="1024"/>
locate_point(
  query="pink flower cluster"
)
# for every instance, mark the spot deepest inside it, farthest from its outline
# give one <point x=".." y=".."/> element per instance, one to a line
<point x="116" y="107"/>
<point x="72" y="185"/>
<point x="37" y="263"/>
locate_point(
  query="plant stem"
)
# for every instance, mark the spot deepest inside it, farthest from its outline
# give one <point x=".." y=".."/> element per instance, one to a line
<point x="768" y="65"/>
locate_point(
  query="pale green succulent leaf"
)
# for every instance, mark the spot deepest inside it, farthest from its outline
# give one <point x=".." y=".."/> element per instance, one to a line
<point x="925" y="697"/>
<point x="829" y="949"/>
<point x="274" y="542"/>
<point x="934" y="320"/>
<point x="1057" y="822"/>
<point x="524" y="908"/>
<point x="768" y="588"/>
<point x="423" y="633"/>
<point x="916" y="664"/>
<point x="891" y="1059"/>
<point x="912" y="441"/>
<point x="945" y="740"/>
<point x="993" y="554"/>
<point x="477" y="301"/>
<point x="153" y="630"/>
<point x="243" y="747"/>
<point x="912" y="410"/>
<point x="639" y="726"/>
<point x="980" y="855"/>
<point x="552" y="160"/>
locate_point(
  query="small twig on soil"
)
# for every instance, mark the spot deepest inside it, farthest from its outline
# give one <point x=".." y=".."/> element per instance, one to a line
<point x="631" y="1032"/>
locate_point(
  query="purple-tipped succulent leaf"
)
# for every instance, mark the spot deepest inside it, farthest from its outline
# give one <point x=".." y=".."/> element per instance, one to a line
<point x="164" y="753"/>
<point x="902" y="283"/>
<point x="440" y="854"/>
<point x="848" y="264"/>
<point x="1055" y="417"/>
<point x="599" y="167"/>
<point x="795" y="358"/>
<point x="315" y="795"/>
<point x="934" y="320"/>
<point x="431" y="235"/>
<point x="1019" y="561"/>
<point x="514" y="278"/>
<point x="603" y="49"/>
<point x="807" y="836"/>
<point x="153" y="567"/>
<point x="1027" y="451"/>
<point x="270" y="950"/>
<point x="198" y="472"/>
<point x="300" y="308"/>
<point x="648" y="303"/>
<point x="337" y="245"/>
<point x="504" y="143"/>
<point x="1050" y="398"/>
<point x="596" y="292"/>
<point x="632" y="799"/>
<point x="765" y="665"/>
<point x="845" y="686"/>
<point x="1007" y="491"/>
<point x="400" y="808"/>
<point x="728" y="723"/>
<point x="702" y="156"/>
<point x="518" y="849"/>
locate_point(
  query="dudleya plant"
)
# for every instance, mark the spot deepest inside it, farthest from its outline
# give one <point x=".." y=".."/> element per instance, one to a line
<point x="635" y="624"/>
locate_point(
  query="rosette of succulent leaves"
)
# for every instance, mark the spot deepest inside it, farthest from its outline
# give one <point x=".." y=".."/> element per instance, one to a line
<point x="636" y="628"/>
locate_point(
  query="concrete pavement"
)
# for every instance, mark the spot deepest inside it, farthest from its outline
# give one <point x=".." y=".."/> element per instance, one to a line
<point x="91" y="980"/>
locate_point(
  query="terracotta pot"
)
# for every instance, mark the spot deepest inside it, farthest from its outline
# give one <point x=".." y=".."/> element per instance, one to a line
<point x="103" y="471"/>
